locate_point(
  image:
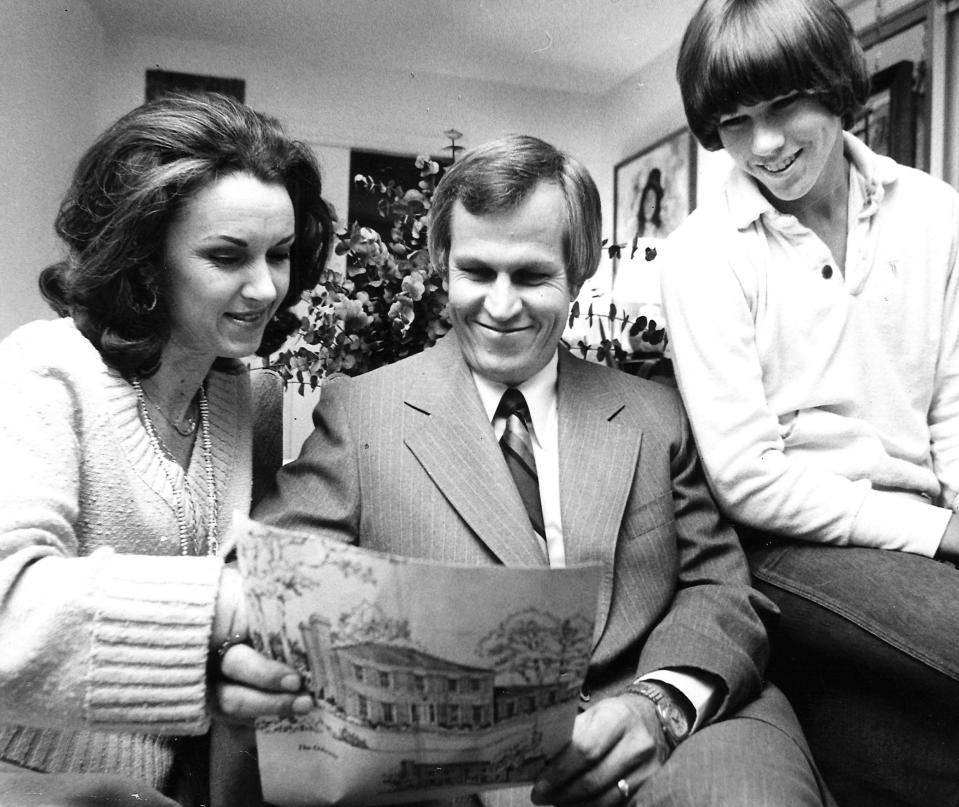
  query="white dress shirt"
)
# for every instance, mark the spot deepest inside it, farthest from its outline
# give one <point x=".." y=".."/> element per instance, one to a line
<point x="540" y="394"/>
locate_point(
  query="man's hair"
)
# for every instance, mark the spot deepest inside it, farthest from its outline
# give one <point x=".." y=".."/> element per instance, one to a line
<point x="498" y="176"/>
<point x="128" y="188"/>
<point x="742" y="52"/>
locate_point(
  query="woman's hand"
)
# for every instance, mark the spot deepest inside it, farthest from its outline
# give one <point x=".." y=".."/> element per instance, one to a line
<point x="246" y="684"/>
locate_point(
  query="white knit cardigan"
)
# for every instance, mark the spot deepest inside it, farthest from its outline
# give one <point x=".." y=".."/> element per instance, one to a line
<point x="104" y="627"/>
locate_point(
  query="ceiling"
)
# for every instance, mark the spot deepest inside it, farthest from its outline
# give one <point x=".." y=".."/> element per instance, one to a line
<point x="586" y="46"/>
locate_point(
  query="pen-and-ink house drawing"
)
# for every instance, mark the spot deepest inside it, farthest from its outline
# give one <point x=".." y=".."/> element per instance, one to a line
<point x="395" y="686"/>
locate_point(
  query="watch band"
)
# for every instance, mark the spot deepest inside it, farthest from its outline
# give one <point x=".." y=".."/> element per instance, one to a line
<point x="675" y="712"/>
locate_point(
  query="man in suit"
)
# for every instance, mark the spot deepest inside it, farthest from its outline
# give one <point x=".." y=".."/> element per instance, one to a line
<point x="411" y="459"/>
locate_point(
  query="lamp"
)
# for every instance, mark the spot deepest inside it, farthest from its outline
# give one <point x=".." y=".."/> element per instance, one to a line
<point x="452" y="148"/>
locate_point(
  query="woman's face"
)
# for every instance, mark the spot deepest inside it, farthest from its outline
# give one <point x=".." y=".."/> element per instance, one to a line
<point x="227" y="256"/>
<point x="791" y="145"/>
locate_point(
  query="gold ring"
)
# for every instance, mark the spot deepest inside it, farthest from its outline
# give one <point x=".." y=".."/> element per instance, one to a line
<point x="226" y="644"/>
<point x="623" y="786"/>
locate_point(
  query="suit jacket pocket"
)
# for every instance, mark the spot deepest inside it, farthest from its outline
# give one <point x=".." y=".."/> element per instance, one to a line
<point x="647" y="516"/>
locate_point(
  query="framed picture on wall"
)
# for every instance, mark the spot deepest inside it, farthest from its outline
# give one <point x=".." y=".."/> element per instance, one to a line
<point x="654" y="190"/>
<point x="161" y="82"/>
<point x="887" y="123"/>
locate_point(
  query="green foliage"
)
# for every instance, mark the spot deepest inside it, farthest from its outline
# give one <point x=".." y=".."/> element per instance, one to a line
<point x="627" y="339"/>
<point x="623" y="341"/>
<point x="387" y="304"/>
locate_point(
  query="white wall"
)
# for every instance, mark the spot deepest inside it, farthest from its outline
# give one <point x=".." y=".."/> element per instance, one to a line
<point x="51" y="56"/>
<point x="338" y="107"/>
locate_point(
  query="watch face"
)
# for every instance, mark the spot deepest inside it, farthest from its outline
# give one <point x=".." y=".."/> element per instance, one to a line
<point x="675" y="719"/>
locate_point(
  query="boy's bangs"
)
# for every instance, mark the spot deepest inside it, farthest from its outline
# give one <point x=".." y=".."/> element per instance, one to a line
<point x="751" y="72"/>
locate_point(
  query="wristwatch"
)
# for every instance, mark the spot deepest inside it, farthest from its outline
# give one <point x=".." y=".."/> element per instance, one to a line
<point x="676" y="720"/>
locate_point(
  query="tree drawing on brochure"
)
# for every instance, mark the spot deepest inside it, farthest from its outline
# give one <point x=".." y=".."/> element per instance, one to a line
<point x="369" y="623"/>
<point x="278" y="569"/>
<point x="537" y="647"/>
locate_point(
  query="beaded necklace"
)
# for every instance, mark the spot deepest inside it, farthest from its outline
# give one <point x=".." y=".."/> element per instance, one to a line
<point x="189" y="544"/>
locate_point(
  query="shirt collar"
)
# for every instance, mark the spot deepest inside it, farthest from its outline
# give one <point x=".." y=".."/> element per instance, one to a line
<point x="872" y="172"/>
<point x="539" y="392"/>
<point x="870" y="175"/>
<point x="746" y="204"/>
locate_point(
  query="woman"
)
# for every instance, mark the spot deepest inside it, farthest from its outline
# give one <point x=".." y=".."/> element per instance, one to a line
<point x="192" y="225"/>
<point x="812" y="309"/>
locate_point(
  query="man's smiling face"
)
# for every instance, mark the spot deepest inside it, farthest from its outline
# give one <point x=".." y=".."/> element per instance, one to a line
<point x="508" y="293"/>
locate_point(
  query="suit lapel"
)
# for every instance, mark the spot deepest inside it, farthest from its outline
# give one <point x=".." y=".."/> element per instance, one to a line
<point x="457" y="450"/>
<point x="598" y="456"/>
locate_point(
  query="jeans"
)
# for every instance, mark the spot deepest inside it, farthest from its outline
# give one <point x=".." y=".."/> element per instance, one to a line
<point x="867" y="650"/>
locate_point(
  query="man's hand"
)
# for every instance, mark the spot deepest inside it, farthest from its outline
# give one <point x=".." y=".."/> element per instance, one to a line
<point x="248" y="684"/>
<point x="620" y="738"/>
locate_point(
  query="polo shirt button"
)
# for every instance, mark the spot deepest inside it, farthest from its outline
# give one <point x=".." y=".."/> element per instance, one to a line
<point x="827" y="272"/>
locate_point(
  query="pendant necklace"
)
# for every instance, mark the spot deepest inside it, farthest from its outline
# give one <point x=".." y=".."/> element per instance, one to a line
<point x="186" y="429"/>
<point x="189" y="544"/>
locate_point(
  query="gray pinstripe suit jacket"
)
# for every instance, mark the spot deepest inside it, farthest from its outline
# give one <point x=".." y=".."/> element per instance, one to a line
<point x="404" y="459"/>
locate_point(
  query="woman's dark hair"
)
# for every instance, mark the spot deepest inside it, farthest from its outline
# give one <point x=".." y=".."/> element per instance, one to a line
<point x="742" y="52"/>
<point x="127" y="189"/>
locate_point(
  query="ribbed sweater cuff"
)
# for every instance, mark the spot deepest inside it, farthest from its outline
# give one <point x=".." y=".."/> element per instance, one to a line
<point x="151" y="638"/>
<point x="895" y="521"/>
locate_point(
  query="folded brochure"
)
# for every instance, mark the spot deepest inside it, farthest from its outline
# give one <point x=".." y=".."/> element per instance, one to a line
<point x="430" y="680"/>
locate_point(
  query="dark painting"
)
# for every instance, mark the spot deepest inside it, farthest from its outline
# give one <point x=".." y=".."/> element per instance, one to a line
<point x="161" y="82"/>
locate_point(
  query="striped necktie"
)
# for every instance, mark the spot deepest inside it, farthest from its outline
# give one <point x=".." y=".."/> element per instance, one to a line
<point x="517" y="446"/>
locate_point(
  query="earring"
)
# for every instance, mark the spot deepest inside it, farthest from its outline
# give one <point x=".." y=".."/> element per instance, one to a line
<point x="140" y="308"/>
